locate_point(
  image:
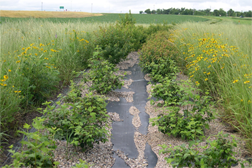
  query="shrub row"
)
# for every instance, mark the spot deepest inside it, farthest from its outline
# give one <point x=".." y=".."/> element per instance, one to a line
<point x="43" y="68"/>
<point x="85" y="122"/>
<point x="158" y="57"/>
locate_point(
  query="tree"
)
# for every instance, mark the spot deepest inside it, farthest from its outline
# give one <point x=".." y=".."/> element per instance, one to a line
<point x="230" y="12"/>
<point x="159" y="11"/>
<point x="222" y="12"/>
<point x="148" y="11"/>
<point x="140" y="12"/>
<point x="216" y="12"/>
<point x="153" y="12"/>
<point x="207" y="11"/>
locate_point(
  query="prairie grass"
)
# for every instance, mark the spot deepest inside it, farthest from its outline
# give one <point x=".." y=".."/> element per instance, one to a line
<point x="45" y="14"/>
<point x="218" y="59"/>
<point x="36" y="56"/>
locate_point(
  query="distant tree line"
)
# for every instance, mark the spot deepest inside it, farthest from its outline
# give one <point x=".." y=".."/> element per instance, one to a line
<point x="184" y="11"/>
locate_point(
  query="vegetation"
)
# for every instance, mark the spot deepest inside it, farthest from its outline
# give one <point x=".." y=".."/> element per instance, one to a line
<point x="111" y="18"/>
<point x="191" y="122"/>
<point x="45" y="54"/>
<point x="216" y="153"/>
<point x="184" y="11"/>
<point x="102" y="75"/>
<point x="217" y="58"/>
<point x="45" y="14"/>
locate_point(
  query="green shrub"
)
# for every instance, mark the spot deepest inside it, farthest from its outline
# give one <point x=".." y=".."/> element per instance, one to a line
<point x="168" y="91"/>
<point x="102" y="74"/>
<point x="83" y="124"/>
<point x="165" y="68"/>
<point x="216" y="153"/>
<point x="74" y="93"/>
<point x="127" y="20"/>
<point x="191" y="125"/>
<point x="156" y="48"/>
<point x="116" y="42"/>
<point x="38" y="151"/>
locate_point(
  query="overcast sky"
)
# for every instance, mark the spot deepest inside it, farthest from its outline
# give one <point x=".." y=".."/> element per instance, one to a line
<point x="118" y="6"/>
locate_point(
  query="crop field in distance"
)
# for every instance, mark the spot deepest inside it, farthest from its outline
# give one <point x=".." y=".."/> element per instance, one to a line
<point x="90" y="17"/>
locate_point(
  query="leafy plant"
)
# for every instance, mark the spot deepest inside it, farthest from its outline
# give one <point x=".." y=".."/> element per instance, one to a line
<point x="38" y="151"/>
<point x="216" y="153"/>
<point x="82" y="164"/>
<point x="128" y="19"/>
<point x="102" y="75"/>
<point x="74" y="94"/>
<point x="165" y="67"/>
<point x="83" y="124"/>
<point x="168" y="91"/>
<point x="194" y="119"/>
<point x="157" y="48"/>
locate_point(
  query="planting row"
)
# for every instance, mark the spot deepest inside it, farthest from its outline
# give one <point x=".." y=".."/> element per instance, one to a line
<point x="218" y="60"/>
<point x="82" y="120"/>
<point x="188" y="111"/>
<point x="31" y="74"/>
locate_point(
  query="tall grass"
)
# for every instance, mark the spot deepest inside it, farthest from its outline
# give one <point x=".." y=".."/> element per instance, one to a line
<point x="36" y="56"/>
<point x="218" y="58"/>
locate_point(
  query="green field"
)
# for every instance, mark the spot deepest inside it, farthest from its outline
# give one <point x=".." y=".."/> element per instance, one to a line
<point x="140" y="19"/>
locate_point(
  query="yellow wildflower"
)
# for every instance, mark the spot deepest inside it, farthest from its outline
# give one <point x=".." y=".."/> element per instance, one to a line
<point x="235" y="81"/>
<point x="208" y="73"/>
<point x="9" y="70"/>
<point x="6" y="77"/>
<point x="246" y="82"/>
<point x="209" y="66"/>
<point x="206" y="79"/>
<point x="18" y="61"/>
<point x="197" y="83"/>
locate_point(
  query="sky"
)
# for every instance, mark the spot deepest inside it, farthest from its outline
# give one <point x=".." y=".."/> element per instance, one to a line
<point x="123" y="6"/>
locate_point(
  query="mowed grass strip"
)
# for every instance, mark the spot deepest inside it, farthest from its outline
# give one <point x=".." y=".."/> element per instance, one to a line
<point x="45" y="14"/>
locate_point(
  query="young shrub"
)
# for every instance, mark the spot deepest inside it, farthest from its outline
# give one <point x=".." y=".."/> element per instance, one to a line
<point x="37" y="151"/>
<point x="102" y="75"/>
<point x="83" y="124"/>
<point x="165" y="68"/>
<point x="127" y="20"/>
<point x="193" y="121"/>
<point x="74" y="94"/>
<point x="156" y="48"/>
<point x="168" y="90"/>
<point x="114" y="42"/>
<point x="216" y="153"/>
